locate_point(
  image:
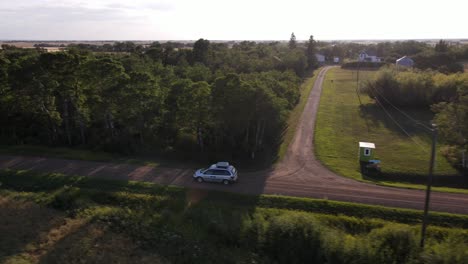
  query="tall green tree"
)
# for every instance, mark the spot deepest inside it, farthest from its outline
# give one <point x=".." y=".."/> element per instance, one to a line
<point x="194" y="106"/>
<point x="292" y="41"/>
<point x="442" y="46"/>
<point x="452" y="118"/>
<point x="200" y="51"/>
<point x="310" y="53"/>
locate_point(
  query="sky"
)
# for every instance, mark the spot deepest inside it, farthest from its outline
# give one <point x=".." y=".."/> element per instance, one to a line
<point x="232" y="19"/>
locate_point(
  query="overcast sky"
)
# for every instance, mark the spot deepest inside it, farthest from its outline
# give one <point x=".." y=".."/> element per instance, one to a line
<point x="231" y="19"/>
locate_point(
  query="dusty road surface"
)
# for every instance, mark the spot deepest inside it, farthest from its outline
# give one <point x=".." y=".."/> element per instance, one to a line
<point x="298" y="174"/>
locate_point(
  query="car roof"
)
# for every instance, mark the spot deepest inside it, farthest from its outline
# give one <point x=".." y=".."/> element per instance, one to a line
<point x="223" y="165"/>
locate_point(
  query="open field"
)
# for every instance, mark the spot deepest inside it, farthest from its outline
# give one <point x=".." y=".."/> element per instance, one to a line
<point x="79" y="219"/>
<point x="342" y="123"/>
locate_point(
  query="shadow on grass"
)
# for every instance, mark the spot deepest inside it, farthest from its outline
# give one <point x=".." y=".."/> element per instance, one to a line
<point x="23" y="226"/>
<point x="375" y="116"/>
<point x="452" y="181"/>
<point x="95" y="243"/>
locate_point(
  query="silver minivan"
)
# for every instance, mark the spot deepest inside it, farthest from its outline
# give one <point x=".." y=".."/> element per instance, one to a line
<point x="219" y="172"/>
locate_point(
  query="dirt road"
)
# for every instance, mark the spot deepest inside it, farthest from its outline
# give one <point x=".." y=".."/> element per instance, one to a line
<point x="298" y="174"/>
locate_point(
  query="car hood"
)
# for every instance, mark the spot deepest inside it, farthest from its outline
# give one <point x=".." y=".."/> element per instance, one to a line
<point x="198" y="172"/>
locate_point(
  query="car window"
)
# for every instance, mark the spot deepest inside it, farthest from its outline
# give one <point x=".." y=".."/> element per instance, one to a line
<point x="210" y="172"/>
<point x="218" y="172"/>
<point x="226" y="173"/>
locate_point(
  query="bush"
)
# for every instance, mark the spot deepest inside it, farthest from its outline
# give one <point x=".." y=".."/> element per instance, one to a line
<point x="66" y="199"/>
<point x="393" y="244"/>
<point x="414" y="88"/>
<point x="452" y="249"/>
<point x="294" y="238"/>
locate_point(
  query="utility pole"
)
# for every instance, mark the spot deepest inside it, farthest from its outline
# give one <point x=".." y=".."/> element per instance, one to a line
<point x="464" y="161"/>
<point x="429" y="184"/>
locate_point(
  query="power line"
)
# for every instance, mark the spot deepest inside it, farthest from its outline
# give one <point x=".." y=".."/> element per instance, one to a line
<point x="398" y="124"/>
<point x="401" y="111"/>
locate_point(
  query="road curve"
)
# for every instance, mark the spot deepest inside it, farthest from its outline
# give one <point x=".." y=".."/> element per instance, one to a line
<point x="298" y="174"/>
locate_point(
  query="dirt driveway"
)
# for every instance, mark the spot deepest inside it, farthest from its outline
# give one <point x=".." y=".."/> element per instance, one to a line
<point x="298" y="174"/>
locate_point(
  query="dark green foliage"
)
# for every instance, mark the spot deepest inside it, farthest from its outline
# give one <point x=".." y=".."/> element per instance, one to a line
<point x="164" y="99"/>
<point x="294" y="238"/>
<point x="311" y="51"/>
<point x="414" y="88"/>
<point x="445" y="62"/>
<point x="292" y="41"/>
<point x="452" y="120"/>
<point x="200" y="50"/>
<point x="66" y="198"/>
<point x="393" y="244"/>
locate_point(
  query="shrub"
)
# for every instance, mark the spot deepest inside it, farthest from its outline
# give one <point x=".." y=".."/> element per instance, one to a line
<point x="294" y="238"/>
<point x="452" y="249"/>
<point x="66" y="199"/>
<point x="393" y="244"/>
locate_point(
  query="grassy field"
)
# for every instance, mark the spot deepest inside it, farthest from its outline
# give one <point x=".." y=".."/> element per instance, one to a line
<point x="296" y="113"/>
<point x="49" y="218"/>
<point x="342" y="123"/>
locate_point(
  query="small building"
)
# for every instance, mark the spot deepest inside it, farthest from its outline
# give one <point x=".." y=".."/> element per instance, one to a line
<point x="366" y="151"/>
<point x="336" y="60"/>
<point x="320" y="58"/>
<point x="404" y="61"/>
<point x="369" y="57"/>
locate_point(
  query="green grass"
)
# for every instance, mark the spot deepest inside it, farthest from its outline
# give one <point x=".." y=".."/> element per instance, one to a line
<point x="51" y="218"/>
<point x="296" y="113"/>
<point x="342" y="123"/>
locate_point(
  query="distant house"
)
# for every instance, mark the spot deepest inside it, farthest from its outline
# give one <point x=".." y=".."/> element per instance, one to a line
<point x="404" y="62"/>
<point x="369" y="56"/>
<point x="336" y="60"/>
<point x="320" y="58"/>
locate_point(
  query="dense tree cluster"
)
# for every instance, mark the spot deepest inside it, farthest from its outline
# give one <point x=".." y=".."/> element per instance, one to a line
<point x="213" y="98"/>
<point x="415" y="88"/>
<point x="447" y="95"/>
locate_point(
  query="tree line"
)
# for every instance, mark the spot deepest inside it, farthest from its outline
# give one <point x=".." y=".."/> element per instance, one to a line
<point x="228" y="101"/>
<point x="445" y="94"/>
<point x="441" y="56"/>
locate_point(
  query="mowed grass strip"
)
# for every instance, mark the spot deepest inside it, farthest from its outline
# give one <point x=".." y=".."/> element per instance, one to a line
<point x="342" y="123"/>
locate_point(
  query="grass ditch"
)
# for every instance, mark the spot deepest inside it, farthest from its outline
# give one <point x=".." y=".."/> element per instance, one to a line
<point x="188" y="225"/>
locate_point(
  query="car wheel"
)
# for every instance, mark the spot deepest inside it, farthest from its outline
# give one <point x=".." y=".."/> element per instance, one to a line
<point x="225" y="182"/>
<point x="200" y="179"/>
